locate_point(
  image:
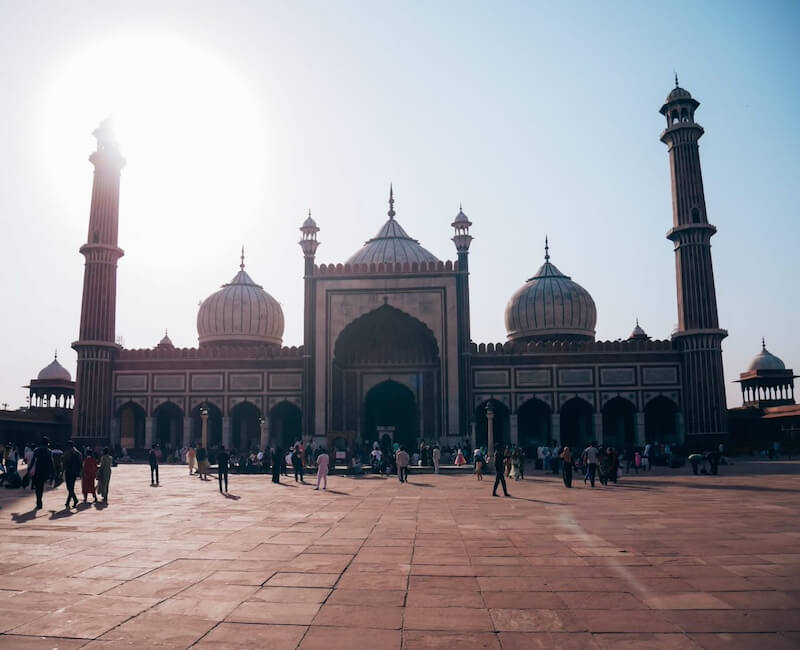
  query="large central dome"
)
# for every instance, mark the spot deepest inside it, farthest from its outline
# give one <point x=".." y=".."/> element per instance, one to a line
<point x="240" y="312"/>
<point x="551" y="306"/>
<point x="392" y="245"/>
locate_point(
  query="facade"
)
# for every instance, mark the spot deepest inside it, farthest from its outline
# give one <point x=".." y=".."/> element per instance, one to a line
<point x="387" y="352"/>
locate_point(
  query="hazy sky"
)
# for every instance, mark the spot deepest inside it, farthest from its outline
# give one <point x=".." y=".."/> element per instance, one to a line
<point x="541" y="117"/>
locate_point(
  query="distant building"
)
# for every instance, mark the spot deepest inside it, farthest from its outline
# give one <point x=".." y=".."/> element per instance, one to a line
<point x="387" y="348"/>
<point x="50" y="400"/>
<point x="769" y="413"/>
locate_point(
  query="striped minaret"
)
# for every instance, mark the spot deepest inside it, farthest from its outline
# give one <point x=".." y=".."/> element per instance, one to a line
<point x="96" y="345"/>
<point x="699" y="336"/>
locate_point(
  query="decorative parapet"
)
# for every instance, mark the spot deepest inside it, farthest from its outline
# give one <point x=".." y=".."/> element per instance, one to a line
<point x="214" y="352"/>
<point x="560" y="347"/>
<point x="372" y="269"/>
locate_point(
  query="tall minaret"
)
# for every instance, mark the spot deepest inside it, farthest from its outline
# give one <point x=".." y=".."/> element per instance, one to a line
<point x="462" y="240"/>
<point x="309" y="245"/>
<point x="96" y="346"/>
<point x="699" y="336"/>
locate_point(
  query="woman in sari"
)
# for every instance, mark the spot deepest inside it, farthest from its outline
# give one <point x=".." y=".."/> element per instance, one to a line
<point x="191" y="459"/>
<point x="88" y="475"/>
<point x="104" y="474"/>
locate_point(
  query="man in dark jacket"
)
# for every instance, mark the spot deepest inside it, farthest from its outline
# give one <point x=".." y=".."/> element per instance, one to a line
<point x="222" y="467"/>
<point x="73" y="462"/>
<point x="499" y="471"/>
<point x="153" y="458"/>
<point x="42" y="464"/>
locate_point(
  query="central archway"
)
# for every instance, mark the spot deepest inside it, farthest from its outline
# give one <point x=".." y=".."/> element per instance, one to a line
<point x="245" y="427"/>
<point x="386" y="372"/>
<point x="390" y="404"/>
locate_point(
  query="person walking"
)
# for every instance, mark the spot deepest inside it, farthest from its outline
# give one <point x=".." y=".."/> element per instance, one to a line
<point x="297" y="464"/>
<point x="202" y="463"/>
<point x="499" y="471"/>
<point x="647" y="457"/>
<point x="191" y="459"/>
<point x="437" y="456"/>
<point x="41" y="468"/>
<point x="566" y="466"/>
<point x="223" y="461"/>
<point x="104" y="474"/>
<point x="89" y="475"/>
<point x="402" y="460"/>
<point x="73" y="462"/>
<point x="591" y="455"/>
<point x="277" y="461"/>
<point x="153" y="458"/>
<point x="323" y="460"/>
<point x="478" y="460"/>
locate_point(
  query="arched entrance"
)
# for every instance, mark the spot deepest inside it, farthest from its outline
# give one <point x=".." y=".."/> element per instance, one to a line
<point x="391" y="405"/>
<point x="168" y="421"/>
<point x="214" y="425"/>
<point x="533" y="425"/>
<point x="501" y="428"/>
<point x="576" y="423"/>
<point x="387" y="346"/>
<point x="245" y="427"/>
<point x="131" y="426"/>
<point x="285" y="424"/>
<point x="618" y="424"/>
<point x="660" y="421"/>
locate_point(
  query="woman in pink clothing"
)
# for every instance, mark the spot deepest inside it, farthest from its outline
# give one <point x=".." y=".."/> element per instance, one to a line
<point x="460" y="460"/>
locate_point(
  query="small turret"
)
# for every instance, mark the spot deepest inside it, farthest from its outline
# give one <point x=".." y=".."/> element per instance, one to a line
<point x="462" y="239"/>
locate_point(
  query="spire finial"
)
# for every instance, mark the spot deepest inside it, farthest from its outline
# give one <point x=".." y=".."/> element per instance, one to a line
<point x="55" y="354"/>
<point x="676" y="79"/>
<point x="460" y="207"/>
<point x="166" y="332"/>
<point x="546" y="249"/>
<point x="763" y="344"/>
<point x="309" y="213"/>
<point x="637" y="322"/>
<point x="241" y="265"/>
<point x="391" y="202"/>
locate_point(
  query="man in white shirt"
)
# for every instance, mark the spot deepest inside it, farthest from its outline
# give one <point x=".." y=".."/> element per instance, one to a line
<point x="323" y="461"/>
<point x="402" y="460"/>
<point x="591" y="455"/>
<point x="437" y="456"/>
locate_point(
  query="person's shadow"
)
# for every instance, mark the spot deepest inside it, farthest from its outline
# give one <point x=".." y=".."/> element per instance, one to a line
<point x="227" y="495"/>
<point x="100" y="505"/>
<point x="18" y="518"/>
<point x="61" y="514"/>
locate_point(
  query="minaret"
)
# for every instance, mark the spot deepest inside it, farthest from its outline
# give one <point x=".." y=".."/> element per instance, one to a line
<point x="699" y="336"/>
<point x="462" y="240"/>
<point x="309" y="245"/>
<point x="96" y="346"/>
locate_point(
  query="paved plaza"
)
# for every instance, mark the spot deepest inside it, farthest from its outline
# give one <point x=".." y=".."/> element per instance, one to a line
<point x="663" y="560"/>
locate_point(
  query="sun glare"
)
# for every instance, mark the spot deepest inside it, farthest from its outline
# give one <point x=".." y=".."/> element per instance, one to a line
<point x="187" y="124"/>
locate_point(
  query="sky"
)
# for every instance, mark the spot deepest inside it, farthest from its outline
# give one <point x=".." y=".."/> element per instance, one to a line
<point x="540" y="117"/>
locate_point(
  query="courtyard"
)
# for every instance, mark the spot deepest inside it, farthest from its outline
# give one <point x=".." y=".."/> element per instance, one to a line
<point x="661" y="560"/>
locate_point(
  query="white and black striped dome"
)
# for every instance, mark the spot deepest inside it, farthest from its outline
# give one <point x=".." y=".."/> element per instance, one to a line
<point x="240" y="312"/>
<point x="550" y="306"/>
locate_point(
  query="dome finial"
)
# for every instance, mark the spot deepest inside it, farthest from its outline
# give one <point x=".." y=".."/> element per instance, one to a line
<point x="391" y="212"/>
<point x="763" y="344"/>
<point x="546" y="249"/>
<point x="241" y="264"/>
<point x="676" y="79"/>
<point x="55" y="354"/>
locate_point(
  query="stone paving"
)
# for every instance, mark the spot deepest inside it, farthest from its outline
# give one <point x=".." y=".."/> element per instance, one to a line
<point x="662" y="560"/>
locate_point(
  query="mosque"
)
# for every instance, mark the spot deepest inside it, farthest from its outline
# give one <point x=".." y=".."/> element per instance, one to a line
<point x="387" y="351"/>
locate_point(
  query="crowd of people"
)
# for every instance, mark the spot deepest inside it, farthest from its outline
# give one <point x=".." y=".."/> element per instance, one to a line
<point x="54" y="465"/>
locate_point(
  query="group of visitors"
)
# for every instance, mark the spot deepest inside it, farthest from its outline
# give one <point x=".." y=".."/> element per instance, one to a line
<point x="45" y="464"/>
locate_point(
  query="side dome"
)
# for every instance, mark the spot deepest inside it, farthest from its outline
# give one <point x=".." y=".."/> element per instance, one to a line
<point x="392" y="245"/>
<point x="240" y="312"/>
<point x="54" y="371"/>
<point x="551" y="306"/>
<point x="765" y="360"/>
